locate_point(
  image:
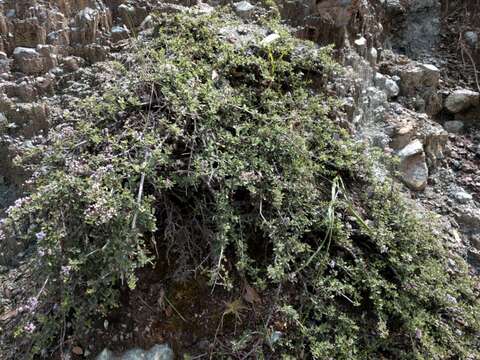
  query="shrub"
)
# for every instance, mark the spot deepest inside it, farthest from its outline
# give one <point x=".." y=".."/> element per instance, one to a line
<point x="225" y="157"/>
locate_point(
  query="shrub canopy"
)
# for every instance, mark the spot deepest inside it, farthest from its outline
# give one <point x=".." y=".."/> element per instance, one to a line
<point x="225" y="157"/>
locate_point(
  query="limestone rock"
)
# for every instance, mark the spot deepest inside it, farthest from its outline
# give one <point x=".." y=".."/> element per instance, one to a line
<point x="461" y="196"/>
<point x="402" y="135"/>
<point x="411" y="79"/>
<point x="454" y="126"/>
<point x="461" y="100"/>
<point x="471" y="37"/>
<point x="415" y="172"/>
<point x="28" y="61"/>
<point x="120" y="33"/>
<point x="132" y="16"/>
<point x="379" y="80"/>
<point x="158" y="352"/>
<point x="391" y="88"/>
<point x="433" y="101"/>
<point x="416" y="77"/>
<point x="431" y="75"/>
<point x="372" y="56"/>
<point x="31" y="118"/>
<point x="413" y="167"/>
<point x="244" y="9"/>
<point x="361" y="45"/>
<point x="413" y="148"/>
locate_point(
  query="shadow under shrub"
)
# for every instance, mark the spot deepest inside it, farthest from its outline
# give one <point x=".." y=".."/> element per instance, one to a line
<point x="226" y="158"/>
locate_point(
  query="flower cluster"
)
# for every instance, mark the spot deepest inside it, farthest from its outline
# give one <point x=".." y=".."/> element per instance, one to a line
<point x="101" y="211"/>
<point x="19" y="203"/>
<point x="65" y="270"/>
<point x="30" y="306"/>
<point x="30" y="327"/>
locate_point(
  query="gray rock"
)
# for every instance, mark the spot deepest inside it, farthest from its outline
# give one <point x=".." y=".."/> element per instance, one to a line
<point x="132" y="16"/>
<point x="414" y="172"/>
<point x="435" y="139"/>
<point x="461" y="100"/>
<point x="454" y="126"/>
<point x="431" y="75"/>
<point x="468" y="218"/>
<point x="391" y="88"/>
<point x="462" y="196"/>
<point x="28" y="60"/>
<point x="433" y="101"/>
<point x="244" y="9"/>
<point x="269" y="39"/>
<point x="157" y="352"/>
<point x="411" y="79"/>
<point x="393" y="7"/>
<point x="372" y="56"/>
<point x="361" y="45"/>
<point x="418" y="77"/>
<point x="379" y="80"/>
<point x="471" y="37"/>
<point x="413" y="148"/>
<point x="120" y="33"/>
<point x="413" y="166"/>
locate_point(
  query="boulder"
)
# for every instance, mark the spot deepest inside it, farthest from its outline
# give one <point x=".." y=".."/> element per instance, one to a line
<point x="433" y="101"/>
<point x="435" y="139"/>
<point x="413" y="148"/>
<point x="471" y="37"/>
<point x="431" y="75"/>
<point x="413" y="166"/>
<point x="28" y="61"/>
<point x="158" y="352"/>
<point x="120" y="33"/>
<point x="411" y="80"/>
<point x="454" y="126"/>
<point x="391" y="88"/>
<point x="30" y="118"/>
<point x="243" y="9"/>
<point x="393" y="7"/>
<point x="132" y="16"/>
<point x="361" y="45"/>
<point x="416" y="77"/>
<point x="372" y="56"/>
<point x="402" y="135"/>
<point x="461" y="100"/>
<point x="414" y="172"/>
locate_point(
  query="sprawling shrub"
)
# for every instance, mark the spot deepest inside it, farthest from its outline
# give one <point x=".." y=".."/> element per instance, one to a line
<point x="224" y="156"/>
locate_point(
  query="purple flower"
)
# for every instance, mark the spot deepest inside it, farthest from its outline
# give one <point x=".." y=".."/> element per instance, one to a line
<point x="40" y="235"/>
<point x="32" y="304"/>
<point x="65" y="271"/>
<point x="30" y="327"/>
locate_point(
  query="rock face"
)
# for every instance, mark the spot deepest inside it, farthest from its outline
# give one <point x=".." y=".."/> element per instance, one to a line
<point x="158" y="352"/>
<point x="417" y="23"/>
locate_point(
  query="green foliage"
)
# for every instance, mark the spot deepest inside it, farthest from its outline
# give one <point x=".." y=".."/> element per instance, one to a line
<point x="215" y="151"/>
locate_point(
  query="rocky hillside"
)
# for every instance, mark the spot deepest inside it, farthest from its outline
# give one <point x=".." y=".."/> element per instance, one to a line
<point x="239" y="180"/>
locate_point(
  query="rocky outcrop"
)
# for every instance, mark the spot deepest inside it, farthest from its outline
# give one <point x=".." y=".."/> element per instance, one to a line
<point x="414" y="26"/>
<point x="40" y="43"/>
